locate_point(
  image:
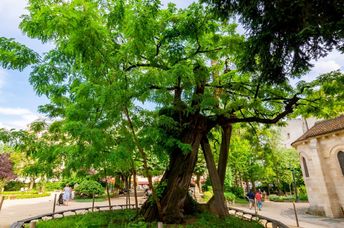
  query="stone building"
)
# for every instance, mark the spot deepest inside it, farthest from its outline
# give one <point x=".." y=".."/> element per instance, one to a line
<point x="322" y="160"/>
<point x="294" y="128"/>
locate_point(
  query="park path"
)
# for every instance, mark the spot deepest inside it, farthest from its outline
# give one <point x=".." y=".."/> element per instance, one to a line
<point x="14" y="210"/>
<point x="284" y="213"/>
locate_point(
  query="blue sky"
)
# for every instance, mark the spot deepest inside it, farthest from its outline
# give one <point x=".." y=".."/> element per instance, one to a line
<point x="18" y="101"/>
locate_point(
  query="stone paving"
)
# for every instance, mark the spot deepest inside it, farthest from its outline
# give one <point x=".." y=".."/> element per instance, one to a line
<point x="284" y="213"/>
<point x="14" y="210"/>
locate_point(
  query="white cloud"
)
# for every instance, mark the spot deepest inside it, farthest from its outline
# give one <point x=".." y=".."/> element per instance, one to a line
<point x="14" y="111"/>
<point x="17" y="118"/>
<point x="333" y="61"/>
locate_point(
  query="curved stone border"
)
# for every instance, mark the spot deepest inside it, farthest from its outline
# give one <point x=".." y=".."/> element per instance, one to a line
<point x="21" y="223"/>
<point x="255" y="217"/>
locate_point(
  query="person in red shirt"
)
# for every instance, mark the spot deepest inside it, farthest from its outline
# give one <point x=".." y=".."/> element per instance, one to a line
<point x="258" y="198"/>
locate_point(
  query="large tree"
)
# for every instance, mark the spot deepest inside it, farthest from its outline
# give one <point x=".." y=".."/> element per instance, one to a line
<point x="111" y="55"/>
<point x="285" y="35"/>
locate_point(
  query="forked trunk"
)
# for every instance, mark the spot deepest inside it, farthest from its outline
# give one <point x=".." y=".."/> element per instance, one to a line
<point x="217" y="204"/>
<point x="221" y="168"/>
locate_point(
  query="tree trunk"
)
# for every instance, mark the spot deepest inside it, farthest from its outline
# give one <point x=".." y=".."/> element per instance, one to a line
<point x="135" y="187"/>
<point x="217" y="204"/>
<point x="32" y="183"/>
<point x="223" y="159"/>
<point x="178" y="177"/>
<point x="253" y="185"/>
<point x="108" y="194"/>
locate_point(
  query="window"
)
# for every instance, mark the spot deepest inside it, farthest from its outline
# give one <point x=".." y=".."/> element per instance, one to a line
<point x="341" y="160"/>
<point x="305" y="167"/>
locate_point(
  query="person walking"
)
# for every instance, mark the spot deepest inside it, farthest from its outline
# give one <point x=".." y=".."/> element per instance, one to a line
<point x="250" y="196"/>
<point x="258" y="198"/>
<point x="67" y="194"/>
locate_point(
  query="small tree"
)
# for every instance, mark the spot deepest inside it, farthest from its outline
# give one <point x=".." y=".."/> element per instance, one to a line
<point x="6" y="170"/>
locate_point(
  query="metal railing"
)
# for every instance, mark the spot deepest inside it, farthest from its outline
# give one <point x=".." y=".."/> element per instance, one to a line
<point x="256" y="217"/>
<point x="83" y="210"/>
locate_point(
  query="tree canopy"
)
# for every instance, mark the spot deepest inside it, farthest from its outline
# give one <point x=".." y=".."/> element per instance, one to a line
<point x="285" y="35"/>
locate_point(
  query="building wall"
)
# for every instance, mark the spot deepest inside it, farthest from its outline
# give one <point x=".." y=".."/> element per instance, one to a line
<point x="294" y="129"/>
<point x="325" y="184"/>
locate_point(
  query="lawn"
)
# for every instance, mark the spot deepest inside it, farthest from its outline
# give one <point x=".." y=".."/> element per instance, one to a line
<point x="87" y="200"/>
<point x="124" y="218"/>
<point x="23" y="195"/>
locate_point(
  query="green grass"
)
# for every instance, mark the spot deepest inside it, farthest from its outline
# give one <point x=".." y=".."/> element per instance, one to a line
<point x="241" y="201"/>
<point x="23" y="195"/>
<point x="124" y="219"/>
<point x="87" y="200"/>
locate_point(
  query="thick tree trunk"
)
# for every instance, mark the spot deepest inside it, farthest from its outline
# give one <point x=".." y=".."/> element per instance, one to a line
<point x="218" y="203"/>
<point x="178" y="177"/>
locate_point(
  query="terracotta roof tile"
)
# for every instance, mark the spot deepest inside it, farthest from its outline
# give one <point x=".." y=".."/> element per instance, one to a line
<point x="323" y="127"/>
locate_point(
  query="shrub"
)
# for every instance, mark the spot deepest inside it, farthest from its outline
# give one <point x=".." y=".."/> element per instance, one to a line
<point x="23" y="195"/>
<point x="230" y="197"/>
<point x="207" y="195"/>
<point x="87" y="188"/>
<point x="52" y="186"/>
<point x="303" y="197"/>
<point x="14" y="186"/>
<point x="237" y="191"/>
<point x="277" y="198"/>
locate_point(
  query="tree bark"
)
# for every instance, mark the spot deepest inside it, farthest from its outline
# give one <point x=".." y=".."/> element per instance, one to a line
<point x="178" y="177"/>
<point x="108" y="194"/>
<point x="223" y="160"/>
<point x="135" y="187"/>
<point x="224" y="149"/>
<point x="218" y="203"/>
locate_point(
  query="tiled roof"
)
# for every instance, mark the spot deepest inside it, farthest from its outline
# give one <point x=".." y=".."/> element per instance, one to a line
<point x="323" y="127"/>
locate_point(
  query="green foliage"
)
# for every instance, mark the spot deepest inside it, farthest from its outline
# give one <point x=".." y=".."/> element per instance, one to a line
<point x="207" y="195"/>
<point x="230" y="197"/>
<point x="14" y="186"/>
<point x="24" y="195"/>
<point x="289" y="198"/>
<point x="273" y="46"/>
<point x="98" y="219"/>
<point x="14" y="55"/>
<point x="87" y="188"/>
<point x="88" y="200"/>
<point x="124" y="218"/>
<point x="52" y="186"/>
<point x="237" y="191"/>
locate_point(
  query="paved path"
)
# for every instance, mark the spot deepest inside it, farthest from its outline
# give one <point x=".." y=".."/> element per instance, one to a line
<point x="284" y="213"/>
<point x="14" y="210"/>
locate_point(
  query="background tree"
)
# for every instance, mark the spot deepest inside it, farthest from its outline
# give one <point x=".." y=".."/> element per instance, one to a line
<point x="277" y="49"/>
<point x="6" y="170"/>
